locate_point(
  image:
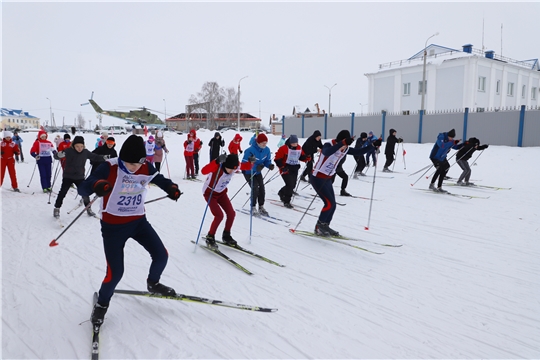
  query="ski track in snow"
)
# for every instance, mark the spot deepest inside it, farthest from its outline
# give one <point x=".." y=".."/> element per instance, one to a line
<point x="463" y="285"/>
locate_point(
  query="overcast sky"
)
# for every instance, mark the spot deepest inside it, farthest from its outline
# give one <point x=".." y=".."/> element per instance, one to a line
<point x="137" y="54"/>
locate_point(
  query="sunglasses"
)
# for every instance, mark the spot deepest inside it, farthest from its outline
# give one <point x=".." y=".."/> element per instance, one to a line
<point x="110" y="142"/>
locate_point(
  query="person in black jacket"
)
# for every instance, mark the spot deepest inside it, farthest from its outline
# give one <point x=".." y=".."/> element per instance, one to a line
<point x="362" y="142"/>
<point x="108" y="149"/>
<point x="463" y="155"/>
<point x="75" y="156"/>
<point x="310" y="147"/>
<point x="216" y="143"/>
<point x="389" y="149"/>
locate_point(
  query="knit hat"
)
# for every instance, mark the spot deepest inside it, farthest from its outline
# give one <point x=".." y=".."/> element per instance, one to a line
<point x="283" y="136"/>
<point x="7" y="134"/>
<point x="391" y="131"/>
<point x="159" y="134"/>
<point x="343" y="134"/>
<point x="317" y="133"/>
<point x="293" y="139"/>
<point x="231" y="162"/>
<point x="261" y="138"/>
<point x="41" y="133"/>
<point x="370" y="133"/>
<point x="193" y="132"/>
<point x="133" y="150"/>
<point x="67" y="136"/>
<point x="363" y="135"/>
<point x="452" y="133"/>
<point x="150" y="138"/>
<point x="77" y="140"/>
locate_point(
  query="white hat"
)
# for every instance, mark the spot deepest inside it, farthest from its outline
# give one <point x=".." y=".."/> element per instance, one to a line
<point x="7" y="134"/>
<point x="159" y="134"/>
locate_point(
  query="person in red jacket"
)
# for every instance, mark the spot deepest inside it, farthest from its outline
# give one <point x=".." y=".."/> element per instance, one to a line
<point x="197" y="146"/>
<point x="288" y="159"/>
<point x="189" y="149"/>
<point x="220" y="172"/>
<point x="235" y="145"/>
<point x="42" y="150"/>
<point x="9" y="150"/>
<point x="63" y="146"/>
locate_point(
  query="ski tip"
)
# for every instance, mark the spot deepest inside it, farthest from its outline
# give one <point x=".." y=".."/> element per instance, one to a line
<point x="292" y="230"/>
<point x="412" y="184"/>
<point x="366" y="228"/>
<point x="53" y="243"/>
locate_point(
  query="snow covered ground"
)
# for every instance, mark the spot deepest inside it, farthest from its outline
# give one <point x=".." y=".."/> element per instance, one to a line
<point x="465" y="283"/>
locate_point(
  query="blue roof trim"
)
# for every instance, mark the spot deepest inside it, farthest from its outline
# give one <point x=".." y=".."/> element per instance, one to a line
<point x="13" y="112"/>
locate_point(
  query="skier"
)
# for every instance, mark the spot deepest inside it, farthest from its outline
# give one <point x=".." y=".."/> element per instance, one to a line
<point x="282" y="141"/>
<point x="41" y="150"/>
<point x="445" y="142"/>
<point x="197" y="146"/>
<point x="150" y="149"/>
<point x="9" y="150"/>
<point x="373" y="151"/>
<point x="108" y="149"/>
<point x="235" y="145"/>
<point x="123" y="217"/>
<point x="57" y="141"/>
<point x="158" y="150"/>
<point x="75" y="159"/>
<point x="360" y="160"/>
<point x="189" y="147"/>
<point x="463" y="156"/>
<point x="310" y="147"/>
<point x="389" y="149"/>
<point x="73" y="130"/>
<point x="101" y="140"/>
<point x="63" y="146"/>
<point x="216" y="143"/>
<point x="220" y="172"/>
<point x="288" y="159"/>
<point x="259" y="155"/>
<point x="323" y="171"/>
<point x="18" y="140"/>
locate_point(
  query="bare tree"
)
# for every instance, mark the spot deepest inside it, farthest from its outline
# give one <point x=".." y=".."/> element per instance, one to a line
<point x="219" y="99"/>
<point x="80" y="121"/>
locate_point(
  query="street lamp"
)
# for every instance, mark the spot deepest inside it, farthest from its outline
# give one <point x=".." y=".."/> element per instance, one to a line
<point x="165" y="111"/>
<point x="424" y="73"/>
<point x="362" y="109"/>
<point x="329" y="97"/>
<point x="50" y="111"/>
<point x="239" y="101"/>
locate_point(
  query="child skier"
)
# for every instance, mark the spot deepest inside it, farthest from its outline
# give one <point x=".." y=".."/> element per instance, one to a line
<point x="150" y="149"/>
<point x="373" y="151"/>
<point x="158" y="150"/>
<point x="360" y="160"/>
<point x="235" y="145"/>
<point x="108" y="149"/>
<point x="445" y="142"/>
<point x="196" y="147"/>
<point x="189" y="148"/>
<point x="75" y="159"/>
<point x="288" y="159"/>
<point x="9" y="151"/>
<point x="324" y="170"/>
<point x="42" y="151"/>
<point x="220" y="172"/>
<point x="123" y="217"/>
<point x="310" y="148"/>
<point x="463" y="156"/>
<point x="389" y="150"/>
<point x="63" y="146"/>
<point x="18" y="140"/>
<point x="216" y="143"/>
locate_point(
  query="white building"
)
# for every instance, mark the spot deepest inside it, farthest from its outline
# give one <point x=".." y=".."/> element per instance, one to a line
<point x="18" y="119"/>
<point x="455" y="80"/>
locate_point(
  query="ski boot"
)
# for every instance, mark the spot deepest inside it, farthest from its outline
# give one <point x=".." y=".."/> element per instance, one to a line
<point x="321" y="229"/>
<point x="211" y="241"/>
<point x="56" y="213"/>
<point x="344" y="193"/>
<point x="90" y="212"/>
<point x="385" y="169"/>
<point x="263" y="211"/>
<point x="254" y="211"/>
<point x="227" y="238"/>
<point x="288" y="205"/>
<point x="432" y="187"/>
<point x="468" y="183"/>
<point x="98" y="314"/>
<point x="355" y="176"/>
<point x="16" y="190"/>
<point x="159" y="288"/>
<point x="441" y="190"/>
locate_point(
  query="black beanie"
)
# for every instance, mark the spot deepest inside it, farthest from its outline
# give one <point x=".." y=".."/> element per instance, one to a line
<point x="343" y="134"/>
<point x="66" y="136"/>
<point x="363" y="135"/>
<point x="133" y="150"/>
<point x="391" y="131"/>
<point x="77" y="140"/>
<point x="452" y="133"/>
<point x="317" y="133"/>
<point x="231" y="162"/>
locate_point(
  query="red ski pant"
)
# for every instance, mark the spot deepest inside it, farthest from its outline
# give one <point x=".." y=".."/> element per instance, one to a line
<point x="10" y="164"/>
<point x="190" y="170"/>
<point x="220" y="201"/>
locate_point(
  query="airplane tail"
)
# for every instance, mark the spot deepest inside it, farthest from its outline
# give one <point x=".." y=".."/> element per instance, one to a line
<point x="96" y="106"/>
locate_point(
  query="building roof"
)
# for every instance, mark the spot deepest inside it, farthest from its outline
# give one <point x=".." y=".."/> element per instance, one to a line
<point x="219" y="116"/>
<point x="14" y="112"/>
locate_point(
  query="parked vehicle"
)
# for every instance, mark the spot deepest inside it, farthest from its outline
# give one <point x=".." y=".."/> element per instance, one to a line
<point x="116" y="130"/>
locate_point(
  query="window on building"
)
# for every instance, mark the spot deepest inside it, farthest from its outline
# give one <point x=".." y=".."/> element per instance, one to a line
<point x="481" y="83"/>
<point x="480" y="109"/>
<point x="406" y="89"/>
<point x="406" y="112"/>
<point x="510" y="91"/>
<point x="523" y="90"/>
<point x="420" y="88"/>
<point x="533" y="93"/>
<point x="498" y="87"/>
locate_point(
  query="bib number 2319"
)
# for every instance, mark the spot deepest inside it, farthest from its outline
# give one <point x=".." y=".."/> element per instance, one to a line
<point x="130" y="200"/>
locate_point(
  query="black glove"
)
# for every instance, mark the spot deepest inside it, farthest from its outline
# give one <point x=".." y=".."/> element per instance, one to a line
<point x="240" y="151"/>
<point x="348" y="141"/>
<point x="285" y="169"/>
<point x="456" y="142"/>
<point x="105" y="157"/>
<point x="377" y="142"/>
<point x="271" y="167"/>
<point x="252" y="159"/>
<point x="260" y="167"/>
<point x="102" y="187"/>
<point x="400" y="140"/>
<point x="221" y="158"/>
<point x="173" y="192"/>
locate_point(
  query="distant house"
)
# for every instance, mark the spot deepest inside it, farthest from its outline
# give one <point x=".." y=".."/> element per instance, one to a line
<point x="181" y="122"/>
<point x="18" y="119"/>
<point x="455" y="79"/>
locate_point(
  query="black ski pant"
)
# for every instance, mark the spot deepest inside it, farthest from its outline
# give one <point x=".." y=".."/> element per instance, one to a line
<point x="157" y="165"/>
<point x="286" y="192"/>
<point x="258" y="188"/>
<point x="309" y="168"/>
<point x="442" y="168"/>
<point x="466" y="174"/>
<point x="66" y="184"/>
<point x="323" y="188"/>
<point x="389" y="160"/>
<point x="360" y="164"/>
<point x="196" y="162"/>
<point x="343" y="175"/>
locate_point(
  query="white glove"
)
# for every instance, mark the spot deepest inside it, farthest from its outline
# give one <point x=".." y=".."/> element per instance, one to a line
<point x="106" y="157"/>
<point x="37" y="157"/>
<point x="61" y="155"/>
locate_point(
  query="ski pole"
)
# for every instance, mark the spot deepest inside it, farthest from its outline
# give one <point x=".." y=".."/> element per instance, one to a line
<point x="395" y="158"/>
<point x="427" y="177"/>
<point x="251" y="204"/>
<point x="474" y="162"/>
<point x="422" y="169"/>
<point x="54" y="180"/>
<point x="404" y="153"/>
<point x="54" y="242"/>
<point x="253" y="174"/>
<point x="206" y="208"/>
<point x="372" y="191"/>
<point x="167" y="164"/>
<point x="157" y="199"/>
<point x="32" y="175"/>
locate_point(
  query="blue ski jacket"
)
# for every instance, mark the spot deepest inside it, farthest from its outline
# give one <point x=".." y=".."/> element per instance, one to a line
<point x="441" y="147"/>
<point x="262" y="156"/>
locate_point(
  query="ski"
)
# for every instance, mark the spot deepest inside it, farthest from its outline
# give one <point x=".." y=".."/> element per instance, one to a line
<point x="362" y="197"/>
<point x="248" y="252"/>
<point x="279" y="202"/>
<point x="338" y="203"/>
<point x="196" y="299"/>
<point x="195" y="180"/>
<point x="301" y="210"/>
<point x="331" y="238"/>
<point x="479" y="186"/>
<point x="270" y="219"/>
<point x="455" y="195"/>
<point x="76" y="207"/>
<point x="95" y="335"/>
<point x="341" y="237"/>
<point x="224" y="257"/>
